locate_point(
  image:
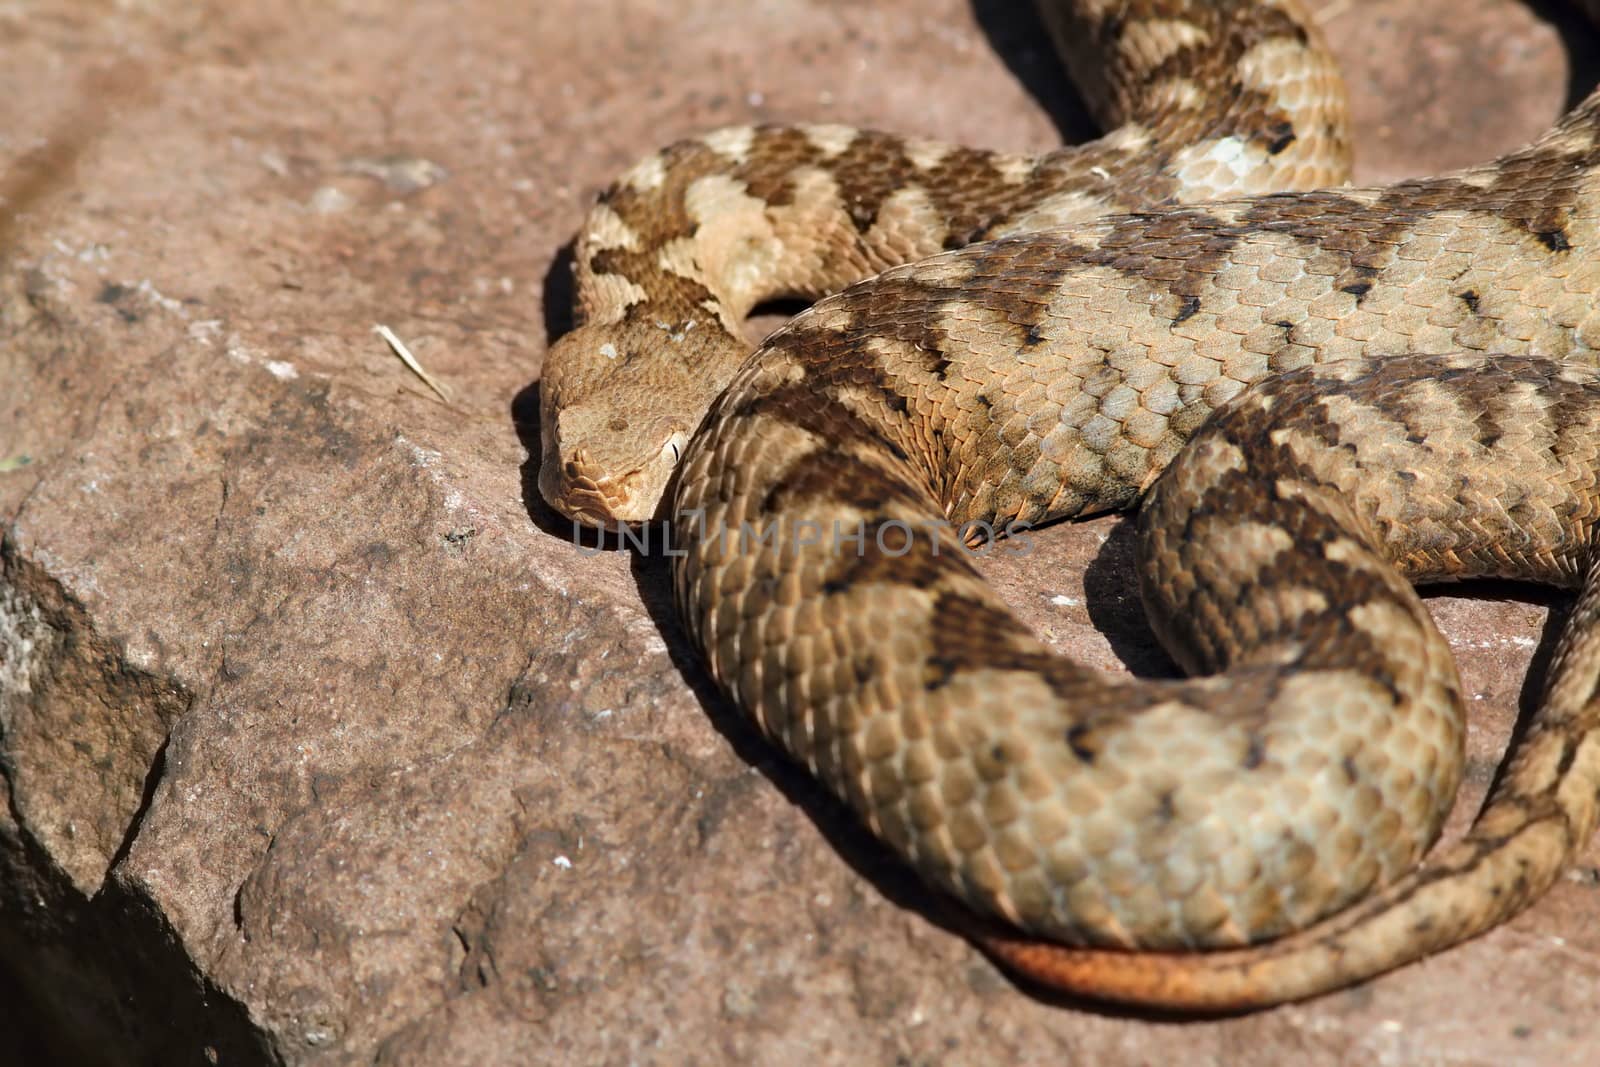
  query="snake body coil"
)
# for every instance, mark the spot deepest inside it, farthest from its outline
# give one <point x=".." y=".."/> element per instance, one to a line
<point x="1273" y="811"/>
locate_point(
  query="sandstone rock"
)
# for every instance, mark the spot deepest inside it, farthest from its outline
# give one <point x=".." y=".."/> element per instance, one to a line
<point x="322" y="742"/>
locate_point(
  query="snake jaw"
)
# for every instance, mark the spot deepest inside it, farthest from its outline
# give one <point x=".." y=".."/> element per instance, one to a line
<point x="569" y="488"/>
<point x="575" y="485"/>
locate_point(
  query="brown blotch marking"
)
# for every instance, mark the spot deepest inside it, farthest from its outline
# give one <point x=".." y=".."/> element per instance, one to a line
<point x="662" y="213"/>
<point x="1183" y="248"/>
<point x="1397" y="405"/>
<point x="1481" y="391"/>
<point x="1362" y="285"/>
<point x="1304" y="566"/>
<point x="1351" y="774"/>
<point x="920" y="568"/>
<point x="1487" y="417"/>
<point x="871" y="168"/>
<point x="776" y="152"/>
<point x="825" y="475"/>
<point x="1083" y="743"/>
<point x="968" y="190"/>
<point x="837" y="363"/>
<point x="1015" y="278"/>
<point x="891" y="307"/>
<point x="1569" y="413"/>
<point x="818" y="412"/>
<point x="1267" y="23"/>
<point x="972" y="195"/>
<point x="970" y="635"/>
<point x="1278" y="136"/>
<point x="1272" y="401"/>
<point x="840" y="370"/>
<point x="1259" y="122"/>
<point x="1212" y="62"/>
<point x="667" y="293"/>
<point x="1555" y="239"/>
<point x="1537" y="188"/>
<point x="1569" y="753"/>
<point x="1166" y="808"/>
<point x="1246" y="113"/>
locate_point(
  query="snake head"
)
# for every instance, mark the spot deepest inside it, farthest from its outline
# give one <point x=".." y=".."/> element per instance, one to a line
<point x="615" y="412"/>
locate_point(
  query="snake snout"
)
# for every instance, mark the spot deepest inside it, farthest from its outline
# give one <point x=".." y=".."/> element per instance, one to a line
<point x="570" y="487"/>
<point x="578" y="490"/>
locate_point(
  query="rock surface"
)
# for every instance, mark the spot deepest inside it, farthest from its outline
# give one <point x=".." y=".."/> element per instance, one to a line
<point x="323" y="743"/>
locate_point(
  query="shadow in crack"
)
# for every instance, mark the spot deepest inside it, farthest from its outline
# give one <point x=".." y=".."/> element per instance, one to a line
<point x="1019" y="37"/>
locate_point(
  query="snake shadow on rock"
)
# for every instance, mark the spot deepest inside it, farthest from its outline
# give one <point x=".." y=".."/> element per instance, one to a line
<point x="557" y="296"/>
<point x="1019" y="37"/>
<point x="1582" y="41"/>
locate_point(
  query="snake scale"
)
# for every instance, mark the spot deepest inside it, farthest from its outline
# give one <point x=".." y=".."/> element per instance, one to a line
<point x="1348" y="390"/>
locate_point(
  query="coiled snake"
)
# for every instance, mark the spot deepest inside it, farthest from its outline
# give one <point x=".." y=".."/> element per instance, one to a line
<point x="1424" y="411"/>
